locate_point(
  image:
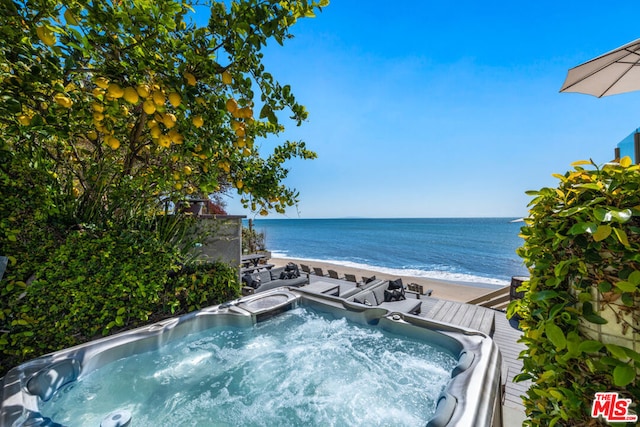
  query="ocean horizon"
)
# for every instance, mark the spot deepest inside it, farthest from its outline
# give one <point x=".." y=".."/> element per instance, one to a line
<point x="475" y="251"/>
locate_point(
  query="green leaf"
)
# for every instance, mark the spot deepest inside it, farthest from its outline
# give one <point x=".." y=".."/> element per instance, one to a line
<point x="555" y="335"/>
<point x="625" y="286"/>
<point x="594" y="318"/>
<point x="583" y="227"/>
<point x="590" y="346"/>
<point x="589" y="186"/>
<point x="623" y="375"/>
<point x="634" y="277"/>
<point x="602" y="233"/>
<point x="622" y="236"/>
<point x="617" y="351"/>
<point x="543" y="295"/>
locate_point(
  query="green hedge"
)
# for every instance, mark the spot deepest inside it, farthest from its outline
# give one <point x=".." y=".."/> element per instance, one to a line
<point x="582" y="248"/>
<point x="101" y="282"/>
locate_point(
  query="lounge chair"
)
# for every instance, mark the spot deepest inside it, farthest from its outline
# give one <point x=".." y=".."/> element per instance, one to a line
<point x="333" y="274"/>
<point x="350" y="278"/>
<point x="374" y="296"/>
<point x="305" y="268"/>
<point x="318" y="271"/>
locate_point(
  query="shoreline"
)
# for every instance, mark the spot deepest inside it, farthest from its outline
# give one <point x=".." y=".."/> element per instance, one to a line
<point x="442" y="289"/>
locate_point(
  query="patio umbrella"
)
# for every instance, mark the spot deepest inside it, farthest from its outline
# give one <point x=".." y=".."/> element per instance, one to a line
<point x="614" y="72"/>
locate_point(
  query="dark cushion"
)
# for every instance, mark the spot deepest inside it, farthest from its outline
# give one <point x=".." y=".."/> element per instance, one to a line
<point x="286" y="275"/>
<point x="394" y="295"/>
<point x="395" y="284"/>
<point x="370" y="279"/>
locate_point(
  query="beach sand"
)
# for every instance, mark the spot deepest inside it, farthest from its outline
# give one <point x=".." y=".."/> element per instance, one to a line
<point x="442" y="289"/>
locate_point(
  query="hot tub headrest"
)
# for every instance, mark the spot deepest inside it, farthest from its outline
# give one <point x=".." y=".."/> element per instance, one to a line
<point x="47" y="381"/>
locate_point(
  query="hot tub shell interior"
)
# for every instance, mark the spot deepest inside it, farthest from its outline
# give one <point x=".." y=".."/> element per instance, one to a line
<point x="471" y="397"/>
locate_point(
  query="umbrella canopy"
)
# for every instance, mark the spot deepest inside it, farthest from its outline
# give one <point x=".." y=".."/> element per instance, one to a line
<point x="614" y="72"/>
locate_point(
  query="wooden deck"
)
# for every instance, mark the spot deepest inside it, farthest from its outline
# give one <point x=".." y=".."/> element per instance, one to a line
<point x="505" y="334"/>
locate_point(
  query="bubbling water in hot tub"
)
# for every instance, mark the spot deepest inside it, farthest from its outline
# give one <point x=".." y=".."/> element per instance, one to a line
<point x="299" y="368"/>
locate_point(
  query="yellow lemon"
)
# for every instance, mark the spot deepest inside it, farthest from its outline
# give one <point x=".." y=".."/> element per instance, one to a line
<point x="191" y="79"/>
<point x="178" y="186"/>
<point x="175" y="137"/>
<point x="169" y="120"/>
<point x="152" y="123"/>
<point x="197" y="121"/>
<point x="164" y="141"/>
<point x="131" y="95"/>
<point x="240" y="132"/>
<point x="232" y="105"/>
<point x="241" y="142"/>
<point x="245" y="112"/>
<point x="102" y="82"/>
<point x="143" y="90"/>
<point x="158" y="97"/>
<point x="115" y="91"/>
<point x="175" y="99"/>
<point x="264" y="212"/>
<point x="46" y="35"/>
<point x="62" y="100"/>
<point x="96" y="106"/>
<point x="112" y="142"/>
<point x="98" y="117"/>
<point x="246" y="152"/>
<point x="149" y="107"/>
<point x="76" y="192"/>
<point x="98" y="92"/>
<point x="226" y="78"/>
<point x="92" y="135"/>
<point x="24" y="120"/>
<point x="239" y="184"/>
<point x="187" y="170"/>
<point x="176" y="175"/>
<point x="155" y="132"/>
<point x="189" y="190"/>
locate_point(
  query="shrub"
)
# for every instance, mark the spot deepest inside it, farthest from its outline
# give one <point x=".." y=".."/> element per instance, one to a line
<point x="582" y="248"/>
<point x="101" y="282"/>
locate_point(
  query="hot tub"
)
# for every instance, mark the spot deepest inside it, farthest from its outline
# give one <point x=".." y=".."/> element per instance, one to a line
<point x="246" y="354"/>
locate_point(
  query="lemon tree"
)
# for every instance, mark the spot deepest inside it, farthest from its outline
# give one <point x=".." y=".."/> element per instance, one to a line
<point x="132" y="100"/>
<point x="107" y="109"/>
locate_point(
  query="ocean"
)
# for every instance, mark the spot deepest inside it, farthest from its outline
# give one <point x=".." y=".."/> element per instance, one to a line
<point x="477" y="251"/>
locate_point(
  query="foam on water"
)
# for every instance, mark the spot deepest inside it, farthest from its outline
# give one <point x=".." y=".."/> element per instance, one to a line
<point x="300" y="368"/>
<point x="472" y="280"/>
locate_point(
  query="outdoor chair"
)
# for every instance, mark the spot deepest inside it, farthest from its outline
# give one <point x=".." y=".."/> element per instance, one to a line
<point x="333" y="274"/>
<point x="350" y="278"/>
<point x="318" y="271"/>
<point x="305" y="268"/>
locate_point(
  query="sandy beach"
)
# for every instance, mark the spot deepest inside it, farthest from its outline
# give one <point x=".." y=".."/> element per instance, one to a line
<point x="442" y="289"/>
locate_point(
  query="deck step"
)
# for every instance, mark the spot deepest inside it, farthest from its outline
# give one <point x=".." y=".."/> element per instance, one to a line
<point x="466" y="315"/>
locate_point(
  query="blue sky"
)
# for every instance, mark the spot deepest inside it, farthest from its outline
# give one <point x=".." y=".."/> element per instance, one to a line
<point x="446" y="108"/>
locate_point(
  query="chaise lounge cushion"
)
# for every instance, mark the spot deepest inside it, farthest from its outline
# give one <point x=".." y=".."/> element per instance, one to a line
<point x="271" y="279"/>
<point x="375" y="296"/>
